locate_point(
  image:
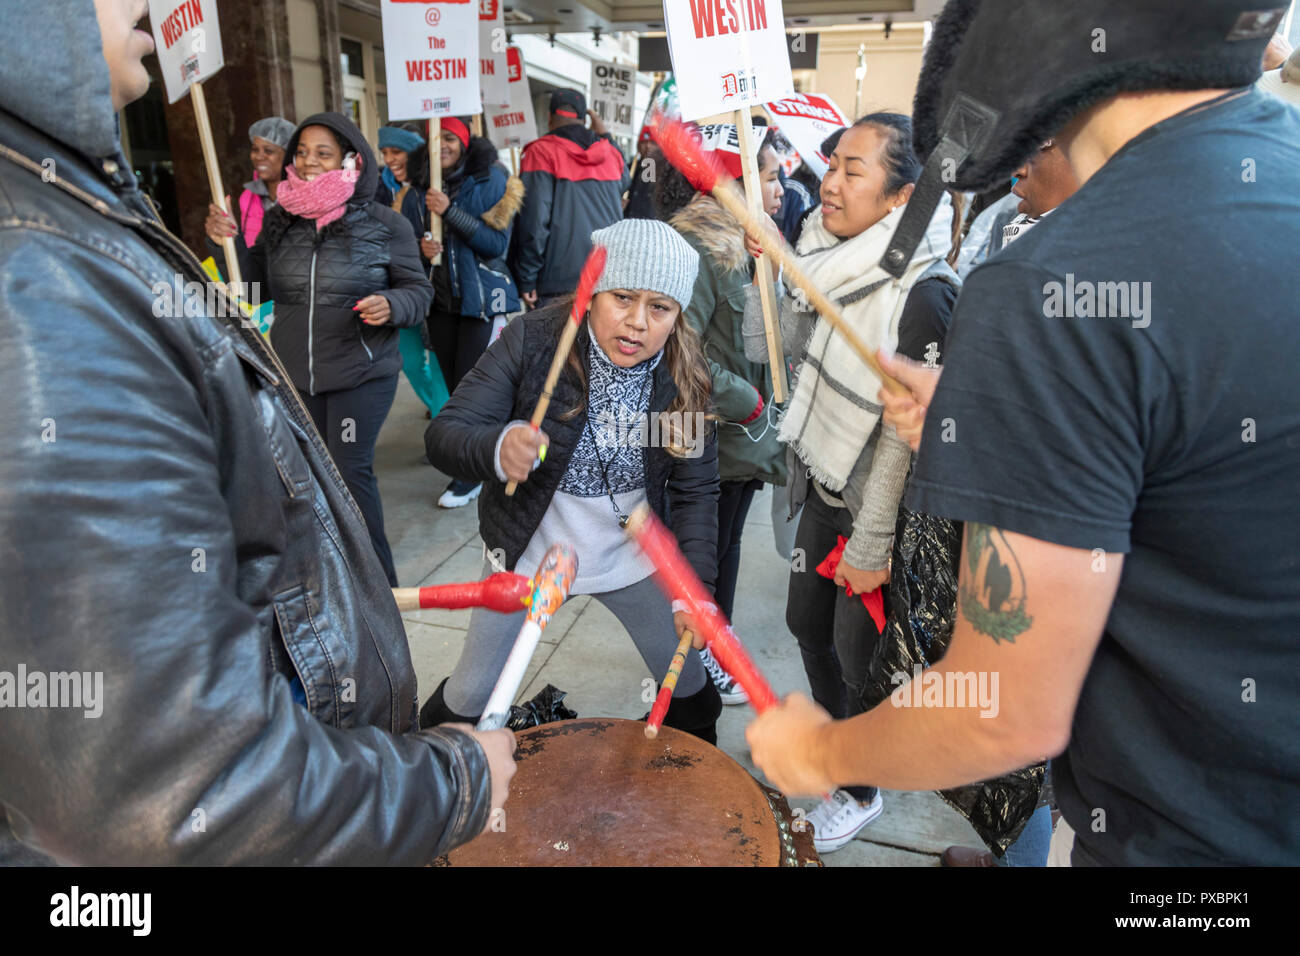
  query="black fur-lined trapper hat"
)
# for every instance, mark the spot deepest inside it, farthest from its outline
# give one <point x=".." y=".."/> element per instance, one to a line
<point x="1002" y="76"/>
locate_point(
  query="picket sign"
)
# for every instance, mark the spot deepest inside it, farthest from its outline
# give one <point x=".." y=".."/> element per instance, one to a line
<point x="492" y="54"/>
<point x="513" y="126"/>
<point x="187" y="37"/>
<point x="806" y="119"/>
<point x="431" y="59"/>
<point x="728" y="57"/>
<point x="613" y="95"/>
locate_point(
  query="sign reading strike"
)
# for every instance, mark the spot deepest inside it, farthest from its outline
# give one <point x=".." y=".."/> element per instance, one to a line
<point x="513" y="125"/>
<point x="431" y="53"/>
<point x="613" y="96"/>
<point x="188" y="40"/>
<point x="807" y="119"/>
<point x="727" y="54"/>
<point x="492" y="53"/>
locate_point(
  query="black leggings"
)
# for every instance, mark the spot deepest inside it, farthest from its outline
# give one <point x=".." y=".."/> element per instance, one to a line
<point x="733" y="506"/>
<point x="458" y="341"/>
<point x="836" y="634"/>
<point x="349" y="420"/>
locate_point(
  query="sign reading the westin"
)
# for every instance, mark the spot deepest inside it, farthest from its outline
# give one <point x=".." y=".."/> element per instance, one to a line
<point x="188" y="40"/>
<point x="613" y="96"/>
<point x="727" y="54"/>
<point x="513" y="125"/>
<point x="431" y="53"/>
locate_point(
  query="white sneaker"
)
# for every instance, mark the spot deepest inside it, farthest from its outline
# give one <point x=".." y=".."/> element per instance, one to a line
<point x="731" y="692"/>
<point x="458" y="494"/>
<point x="838" y="818"/>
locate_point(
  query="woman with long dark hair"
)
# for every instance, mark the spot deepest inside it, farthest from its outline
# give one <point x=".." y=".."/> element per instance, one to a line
<point x="847" y="470"/>
<point x="345" y="274"/>
<point x="636" y="364"/>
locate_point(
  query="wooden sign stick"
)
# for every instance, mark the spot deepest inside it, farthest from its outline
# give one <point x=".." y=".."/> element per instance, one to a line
<point x="435" y="178"/>
<point x="236" y="279"/>
<point x="766" y="288"/>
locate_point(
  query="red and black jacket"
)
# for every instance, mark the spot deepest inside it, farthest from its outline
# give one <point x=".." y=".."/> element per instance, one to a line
<point x="573" y="185"/>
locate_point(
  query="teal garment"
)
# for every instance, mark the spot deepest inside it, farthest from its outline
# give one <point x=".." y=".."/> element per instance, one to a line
<point x="422" y="370"/>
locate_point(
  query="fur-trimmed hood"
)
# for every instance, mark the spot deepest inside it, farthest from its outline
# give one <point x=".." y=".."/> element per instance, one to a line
<point x="508" y="206"/>
<point x="717" y="231"/>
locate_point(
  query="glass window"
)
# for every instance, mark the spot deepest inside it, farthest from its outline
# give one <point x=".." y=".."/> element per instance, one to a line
<point x="352" y="108"/>
<point x="351" y="58"/>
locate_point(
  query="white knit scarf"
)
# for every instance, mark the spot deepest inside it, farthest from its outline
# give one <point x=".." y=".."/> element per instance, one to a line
<point x="833" y="410"/>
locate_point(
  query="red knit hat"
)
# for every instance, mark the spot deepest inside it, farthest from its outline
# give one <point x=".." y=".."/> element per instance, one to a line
<point x="456" y="127"/>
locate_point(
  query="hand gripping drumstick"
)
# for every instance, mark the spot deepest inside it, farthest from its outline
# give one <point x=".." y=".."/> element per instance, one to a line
<point x="551" y="586"/>
<point x="591" y="271"/>
<point x="660" y="709"/>
<point x="683" y="151"/>
<point x="679" y="581"/>
<point x="503" y="591"/>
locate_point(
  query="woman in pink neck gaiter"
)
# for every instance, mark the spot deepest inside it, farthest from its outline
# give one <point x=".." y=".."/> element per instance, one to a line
<point x="345" y="274"/>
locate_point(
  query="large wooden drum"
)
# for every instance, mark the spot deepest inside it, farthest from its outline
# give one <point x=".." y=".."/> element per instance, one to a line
<point x="597" y="792"/>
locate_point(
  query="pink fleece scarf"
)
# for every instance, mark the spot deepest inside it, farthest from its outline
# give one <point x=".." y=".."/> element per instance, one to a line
<point x="323" y="199"/>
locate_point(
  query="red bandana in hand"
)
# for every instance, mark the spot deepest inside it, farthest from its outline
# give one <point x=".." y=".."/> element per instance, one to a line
<point x="873" y="602"/>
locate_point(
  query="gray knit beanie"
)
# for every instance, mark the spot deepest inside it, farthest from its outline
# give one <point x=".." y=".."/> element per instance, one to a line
<point x="647" y="254"/>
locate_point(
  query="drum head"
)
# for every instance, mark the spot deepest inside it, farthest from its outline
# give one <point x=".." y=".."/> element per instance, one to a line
<point x="597" y="792"/>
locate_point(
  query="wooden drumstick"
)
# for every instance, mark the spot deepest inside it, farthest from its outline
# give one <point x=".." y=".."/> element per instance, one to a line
<point x="550" y="587"/>
<point x="683" y="151"/>
<point x="680" y="582"/>
<point x="503" y="591"/>
<point x="591" y="271"/>
<point x="660" y="709"/>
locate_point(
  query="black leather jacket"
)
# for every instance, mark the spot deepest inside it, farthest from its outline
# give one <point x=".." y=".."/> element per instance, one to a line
<point x="171" y="522"/>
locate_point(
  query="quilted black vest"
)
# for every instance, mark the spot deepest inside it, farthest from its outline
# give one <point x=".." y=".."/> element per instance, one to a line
<point x="508" y="524"/>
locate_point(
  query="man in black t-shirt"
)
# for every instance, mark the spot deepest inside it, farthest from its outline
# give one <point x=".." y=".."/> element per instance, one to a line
<point x="1118" y="424"/>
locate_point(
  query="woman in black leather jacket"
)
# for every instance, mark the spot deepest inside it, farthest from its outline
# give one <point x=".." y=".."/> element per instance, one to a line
<point x="345" y="274"/>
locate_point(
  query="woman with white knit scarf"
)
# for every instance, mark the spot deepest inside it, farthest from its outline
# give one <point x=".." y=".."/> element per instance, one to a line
<point x="847" y="469"/>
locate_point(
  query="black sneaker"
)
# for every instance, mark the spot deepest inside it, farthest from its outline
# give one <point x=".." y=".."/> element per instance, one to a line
<point x="730" y="691"/>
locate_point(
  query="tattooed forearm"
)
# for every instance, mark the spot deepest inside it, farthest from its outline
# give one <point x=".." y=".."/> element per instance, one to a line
<point x="993" y="595"/>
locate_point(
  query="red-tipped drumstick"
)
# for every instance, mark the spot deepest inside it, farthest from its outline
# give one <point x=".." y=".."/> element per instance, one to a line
<point x="680" y="582"/>
<point x="660" y="709"/>
<point x="551" y="586"/>
<point x="503" y="591"/>
<point x="591" y="271"/>
<point x="682" y="149"/>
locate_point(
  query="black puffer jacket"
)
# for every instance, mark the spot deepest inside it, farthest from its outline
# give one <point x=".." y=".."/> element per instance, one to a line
<point x="316" y="278"/>
<point x="504" y="386"/>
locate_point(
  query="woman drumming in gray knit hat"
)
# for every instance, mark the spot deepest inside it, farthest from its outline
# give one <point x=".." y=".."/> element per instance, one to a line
<point x="268" y="138"/>
<point x="628" y="424"/>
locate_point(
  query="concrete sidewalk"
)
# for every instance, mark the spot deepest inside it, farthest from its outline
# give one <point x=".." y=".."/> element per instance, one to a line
<point x="585" y="651"/>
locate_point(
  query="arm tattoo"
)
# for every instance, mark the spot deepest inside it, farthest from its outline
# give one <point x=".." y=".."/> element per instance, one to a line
<point x="994" y="598"/>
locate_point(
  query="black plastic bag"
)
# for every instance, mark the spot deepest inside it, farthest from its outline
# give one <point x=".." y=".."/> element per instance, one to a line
<point x="545" y="708"/>
<point x="921" y="613"/>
